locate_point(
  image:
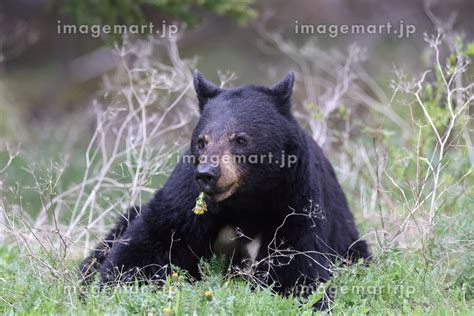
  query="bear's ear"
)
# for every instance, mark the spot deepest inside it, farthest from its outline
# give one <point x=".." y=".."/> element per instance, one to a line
<point x="205" y="90"/>
<point x="284" y="88"/>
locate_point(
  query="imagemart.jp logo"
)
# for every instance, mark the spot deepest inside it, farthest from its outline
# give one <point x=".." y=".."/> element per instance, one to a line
<point x="282" y="160"/>
<point x="96" y="30"/>
<point x="332" y="290"/>
<point x="400" y="30"/>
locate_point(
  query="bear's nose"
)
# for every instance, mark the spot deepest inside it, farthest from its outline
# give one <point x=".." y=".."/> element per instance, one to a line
<point x="206" y="177"/>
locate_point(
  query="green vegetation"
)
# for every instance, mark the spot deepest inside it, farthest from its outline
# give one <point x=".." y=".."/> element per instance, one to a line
<point x="394" y="283"/>
<point x="130" y="12"/>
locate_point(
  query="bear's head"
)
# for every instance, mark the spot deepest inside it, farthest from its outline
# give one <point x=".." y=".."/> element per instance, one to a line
<point x="244" y="139"/>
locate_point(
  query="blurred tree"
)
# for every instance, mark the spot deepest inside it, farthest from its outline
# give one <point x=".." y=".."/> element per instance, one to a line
<point x="136" y="12"/>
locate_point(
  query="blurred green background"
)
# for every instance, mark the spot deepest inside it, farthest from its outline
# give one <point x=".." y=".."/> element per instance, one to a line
<point x="45" y="75"/>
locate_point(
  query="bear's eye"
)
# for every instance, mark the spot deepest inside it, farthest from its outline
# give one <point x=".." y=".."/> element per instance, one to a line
<point x="201" y="143"/>
<point x="241" y="140"/>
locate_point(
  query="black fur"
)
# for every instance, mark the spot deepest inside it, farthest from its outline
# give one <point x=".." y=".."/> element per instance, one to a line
<point x="299" y="212"/>
<point x="90" y="265"/>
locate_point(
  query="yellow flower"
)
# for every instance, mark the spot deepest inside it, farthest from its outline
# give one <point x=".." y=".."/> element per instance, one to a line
<point x="167" y="311"/>
<point x="175" y="276"/>
<point x="208" y="295"/>
<point x="201" y="206"/>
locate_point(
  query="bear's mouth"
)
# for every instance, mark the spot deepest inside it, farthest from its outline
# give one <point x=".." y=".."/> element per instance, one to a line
<point x="222" y="194"/>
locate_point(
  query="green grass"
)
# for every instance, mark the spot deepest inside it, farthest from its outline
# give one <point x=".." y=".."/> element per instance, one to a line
<point x="395" y="282"/>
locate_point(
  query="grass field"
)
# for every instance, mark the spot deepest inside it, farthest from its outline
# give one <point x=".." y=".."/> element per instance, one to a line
<point x="395" y="283"/>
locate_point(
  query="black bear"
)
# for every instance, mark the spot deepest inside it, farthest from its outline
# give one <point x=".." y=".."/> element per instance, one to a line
<point x="274" y="204"/>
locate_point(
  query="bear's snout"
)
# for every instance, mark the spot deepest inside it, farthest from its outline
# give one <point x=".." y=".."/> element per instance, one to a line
<point x="218" y="179"/>
<point x="207" y="176"/>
